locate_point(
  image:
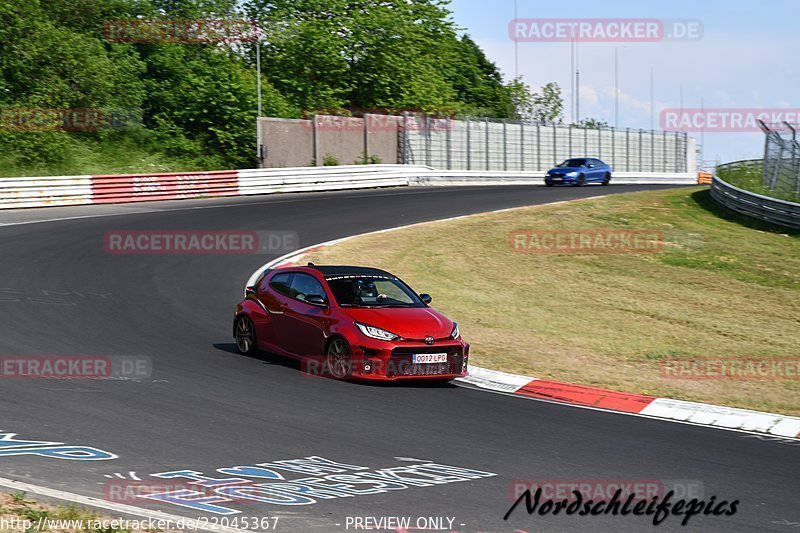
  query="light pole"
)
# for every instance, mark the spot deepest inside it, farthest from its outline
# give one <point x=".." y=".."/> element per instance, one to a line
<point x="616" y="88"/>
<point x="572" y="78"/>
<point x="516" y="44"/>
<point x="258" y="97"/>
<point x="577" y="83"/>
<point x="652" y="98"/>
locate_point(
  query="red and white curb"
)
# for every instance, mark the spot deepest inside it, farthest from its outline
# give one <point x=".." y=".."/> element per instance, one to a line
<point x="703" y="414"/>
<point x="607" y="400"/>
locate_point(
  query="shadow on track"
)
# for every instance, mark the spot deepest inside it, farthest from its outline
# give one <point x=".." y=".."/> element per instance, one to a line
<point x="268" y="358"/>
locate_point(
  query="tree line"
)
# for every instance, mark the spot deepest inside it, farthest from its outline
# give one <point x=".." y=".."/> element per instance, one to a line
<point x="194" y="101"/>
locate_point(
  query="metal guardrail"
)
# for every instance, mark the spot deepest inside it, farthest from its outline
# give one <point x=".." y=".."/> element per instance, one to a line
<point x="121" y="188"/>
<point x="754" y="205"/>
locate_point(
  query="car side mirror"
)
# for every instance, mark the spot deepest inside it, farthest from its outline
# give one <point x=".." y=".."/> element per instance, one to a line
<point x="315" y="299"/>
<point x="590" y="165"/>
<point x="426" y="298"/>
<point x="249" y="291"/>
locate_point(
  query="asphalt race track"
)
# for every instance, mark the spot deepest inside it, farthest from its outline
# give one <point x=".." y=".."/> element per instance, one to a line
<point x="205" y="407"/>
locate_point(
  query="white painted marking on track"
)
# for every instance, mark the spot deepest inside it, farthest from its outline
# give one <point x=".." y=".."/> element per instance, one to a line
<point x="134" y="211"/>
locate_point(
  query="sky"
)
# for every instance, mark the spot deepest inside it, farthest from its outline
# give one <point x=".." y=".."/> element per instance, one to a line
<point x="747" y="57"/>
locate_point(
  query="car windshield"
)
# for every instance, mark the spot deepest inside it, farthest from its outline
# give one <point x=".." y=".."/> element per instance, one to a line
<point x="573" y="163"/>
<point x="372" y="291"/>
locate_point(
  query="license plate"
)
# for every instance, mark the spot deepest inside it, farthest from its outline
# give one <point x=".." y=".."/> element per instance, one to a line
<point x="424" y="358"/>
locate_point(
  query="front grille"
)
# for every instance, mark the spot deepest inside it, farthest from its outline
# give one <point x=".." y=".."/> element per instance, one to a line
<point x="400" y="363"/>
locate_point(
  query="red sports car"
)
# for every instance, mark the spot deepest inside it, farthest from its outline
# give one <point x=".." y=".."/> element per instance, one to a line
<point x="349" y="322"/>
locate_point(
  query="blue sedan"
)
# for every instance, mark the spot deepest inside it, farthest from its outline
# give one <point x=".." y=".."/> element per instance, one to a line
<point x="579" y="172"/>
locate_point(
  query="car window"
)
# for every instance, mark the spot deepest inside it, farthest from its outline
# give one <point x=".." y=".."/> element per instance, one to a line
<point x="573" y="163"/>
<point x="372" y="291"/>
<point x="304" y="285"/>
<point x="281" y="283"/>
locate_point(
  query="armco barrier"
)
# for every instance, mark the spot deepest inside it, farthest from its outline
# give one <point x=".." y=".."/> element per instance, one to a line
<point x="45" y="191"/>
<point x="755" y="205"/>
<point x="121" y="188"/>
<point x="266" y="181"/>
<point x="170" y="186"/>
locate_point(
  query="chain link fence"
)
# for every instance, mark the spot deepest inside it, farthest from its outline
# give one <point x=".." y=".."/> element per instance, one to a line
<point x="781" y="169"/>
<point x="488" y="144"/>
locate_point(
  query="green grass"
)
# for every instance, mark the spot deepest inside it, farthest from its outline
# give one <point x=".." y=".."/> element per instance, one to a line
<point x="16" y="504"/>
<point x="128" y="152"/>
<point x="722" y="286"/>
<point x="749" y="178"/>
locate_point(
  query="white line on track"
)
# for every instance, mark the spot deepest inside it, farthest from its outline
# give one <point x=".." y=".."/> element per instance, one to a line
<point x="115" y="507"/>
<point x="134" y="211"/>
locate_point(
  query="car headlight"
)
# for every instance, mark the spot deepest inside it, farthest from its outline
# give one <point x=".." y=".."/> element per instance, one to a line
<point x="573" y="174"/>
<point x="455" y="333"/>
<point x="376" y="333"/>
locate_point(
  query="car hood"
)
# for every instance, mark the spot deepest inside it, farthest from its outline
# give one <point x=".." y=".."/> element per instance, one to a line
<point x="411" y="323"/>
<point x="565" y="170"/>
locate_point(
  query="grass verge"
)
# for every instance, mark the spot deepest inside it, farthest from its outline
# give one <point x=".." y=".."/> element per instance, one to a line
<point x="612" y="320"/>
<point x="18" y="513"/>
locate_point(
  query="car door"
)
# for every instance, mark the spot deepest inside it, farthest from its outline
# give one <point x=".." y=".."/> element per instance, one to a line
<point x="273" y="294"/>
<point x="593" y="171"/>
<point x="304" y="325"/>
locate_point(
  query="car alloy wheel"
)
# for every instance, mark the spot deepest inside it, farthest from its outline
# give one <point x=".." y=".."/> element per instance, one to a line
<point x="607" y="179"/>
<point x="581" y="181"/>
<point x="245" y="335"/>
<point x="337" y="358"/>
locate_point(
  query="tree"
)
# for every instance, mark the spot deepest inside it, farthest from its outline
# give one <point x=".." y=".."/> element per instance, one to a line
<point x="548" y="105"/>
<point x="593" y="123"/>
<point x="197" y="100"/>
<point x="521" y="97"/>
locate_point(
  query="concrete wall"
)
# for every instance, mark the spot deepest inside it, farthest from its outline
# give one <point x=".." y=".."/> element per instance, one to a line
<point x="469" y="144"/>
<point x="288" y="142"/>
<point x="297" y="143"/>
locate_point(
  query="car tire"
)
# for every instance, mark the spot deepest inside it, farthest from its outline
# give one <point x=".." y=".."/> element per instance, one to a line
<point x="607" y="178"/>
<point x="548" y="183"/>
<point x="338" y="359"/>
<point x="581" y="181"/>
<point x="244" y="332"/>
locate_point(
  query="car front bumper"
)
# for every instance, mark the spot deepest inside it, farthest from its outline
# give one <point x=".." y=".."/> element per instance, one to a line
<point x="391" y="361"/>
<point x="561" y="180"/>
